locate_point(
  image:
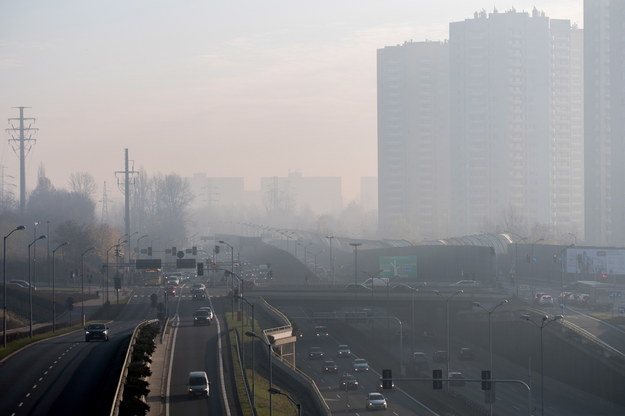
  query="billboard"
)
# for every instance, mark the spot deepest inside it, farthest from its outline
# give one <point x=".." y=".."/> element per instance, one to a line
<point x="595" y="261"/>
<point x="398" y="267"/>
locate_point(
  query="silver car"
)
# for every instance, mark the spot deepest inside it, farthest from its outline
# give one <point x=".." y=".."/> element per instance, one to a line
<point x="376" y="401"/>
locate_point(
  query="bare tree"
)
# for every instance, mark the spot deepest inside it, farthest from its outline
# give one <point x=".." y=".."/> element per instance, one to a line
<point x="82" y="183"/>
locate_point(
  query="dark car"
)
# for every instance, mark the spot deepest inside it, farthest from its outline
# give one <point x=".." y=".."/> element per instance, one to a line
<point x="198" y="294"/>
<point x="343" y="351"/>
<point x="96" y="331"/>
<point x="329" y="367"/>
<point x="348" y="382"/>
<point x="315" y="353"/>
<point x="201" y="317"/>
<point x="170" y="290"/>
<point x="321" y="331"/>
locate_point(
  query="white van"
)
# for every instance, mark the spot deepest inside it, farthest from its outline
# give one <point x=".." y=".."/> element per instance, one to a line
<point x="198" y="384"/>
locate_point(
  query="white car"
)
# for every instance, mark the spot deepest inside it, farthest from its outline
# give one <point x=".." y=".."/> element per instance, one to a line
<point x="376" y="401"/>
<point x="360" y="364"/>
<point x="546" y="300"/>
<point x="209" y="310"/>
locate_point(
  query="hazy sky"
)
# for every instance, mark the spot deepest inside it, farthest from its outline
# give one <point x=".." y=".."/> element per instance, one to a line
<point x="225" y="87"/>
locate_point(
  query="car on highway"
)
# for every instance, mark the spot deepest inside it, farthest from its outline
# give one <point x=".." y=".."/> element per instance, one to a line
<point x="198" y="384"/>
<point x="199" y="286"/>
<point x="376" y="401"/>
<point x="170" y="290"/>
<point x="381" y="384"/>
<point x="348" y="382"/>
<point x="208" y="309"/>
<point x="456" y="379"/>
<point x="329" y="367"/>
<point x="201" y="317"/>
<point x="360" y="364"/>
<point x="96" y="331"/>
<point x="466" y="354"/>
<point x="23" y="284"/>
<point x="357" y="287"/>
<point x="343" y="351"/>
<point x="440" y="356"/>
<point x="537" y="296"/>
<point x="198" y="294"/>
<point x="467" y="283"/>
<point x="321" y="331"/>
<point x="315" y="353"/>
<point x="546" y="300"/>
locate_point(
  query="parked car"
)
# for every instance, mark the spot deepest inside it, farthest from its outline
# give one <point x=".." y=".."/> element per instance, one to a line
<point x="198" y="384"/>
<point x="348" y="382"/>
<point x="456" y="379"/>
<point x="329" y="367"/>
<point x="315" y="353"/>
<point x="343" y="351"/>
<point x="360" y="364"/>
<point x="96" y="331"/>
<point x="440" y="356"/>
<point x="466" y="354"/>
<point x="376" y="401"/>
<point x="420" y="361"/>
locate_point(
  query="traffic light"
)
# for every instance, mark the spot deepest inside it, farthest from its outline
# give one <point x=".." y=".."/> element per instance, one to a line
<point x="174" y="251"/>
<point x="437" y="383"/>
<point x="555" y="257"/>
<point x="194" y="250"/>
<point x="486" y="380"/>
<point x="200" y="269"/>
<point x="528" y="258"/>
<point x="216" y="249"/>
<point x="149" y="251"/>
<point x="387" y="379"/>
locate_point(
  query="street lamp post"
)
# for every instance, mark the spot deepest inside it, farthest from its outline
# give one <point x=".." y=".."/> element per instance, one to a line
<point x="232" y="269"/>
<point x="4" y="274"/>
<point x="268" y="344"/>
<point x="516" y="263"/>
<point x="562" y="271"/>
<point x="490" y="336"/>
<point x="138" y="240"/>
<point x="447" y="299"/>
<point x="355" y="245"/>
<point x="53" y="287"/>
<point x="82" y="283"/>
<point x="330" y="238"/>
<point x="30" y="287"/>
<point x="274" y="390"/>
<point x="544" y="321"/>
<point x="107" y="270"/>
<point x="532" y="257"/>
<point x="253" y="354"/>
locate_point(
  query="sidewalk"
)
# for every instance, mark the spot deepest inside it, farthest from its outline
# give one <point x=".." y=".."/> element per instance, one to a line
<point x="158" y="379"/>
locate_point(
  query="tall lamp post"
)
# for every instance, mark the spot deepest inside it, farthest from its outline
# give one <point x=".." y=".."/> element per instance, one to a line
<point x="544" y="321"/>
<point x="107" y="269"/>
<point x="447" y="299"/>
<point x="562" y="272"/>
<point x="253" y="353"/>
<point x="490" y="336"/>
<point x="4" y="274"/>
<point x="355" y="245"/>
<point x="30" y="287"/>
<point x="330" y="238"/>
<point x="53" y="287"/>
<point x="82" y="283"/>
<point x="232" y="269"/>
<point x="532" y="257"/>
<point x="268" y="344"/>
<point x="274" y="390"/>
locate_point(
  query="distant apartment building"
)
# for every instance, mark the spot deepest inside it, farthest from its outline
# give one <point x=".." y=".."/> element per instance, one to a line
<point x="295" y="192"/>
<point x="217" y="192"/>
<point x="604" y="121"/>
<point x="413" y="140"/>
<point x="516" y="130"/>
<point x="369" y="193"/>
